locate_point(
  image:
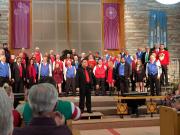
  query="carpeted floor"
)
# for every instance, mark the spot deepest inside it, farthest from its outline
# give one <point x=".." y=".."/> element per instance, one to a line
<point x="124" y="131"/>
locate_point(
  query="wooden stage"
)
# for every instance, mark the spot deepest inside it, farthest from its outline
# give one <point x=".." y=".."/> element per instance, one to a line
<point x="107" y="105"/>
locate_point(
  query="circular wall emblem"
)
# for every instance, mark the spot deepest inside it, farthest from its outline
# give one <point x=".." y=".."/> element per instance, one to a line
<point x="111" y="12"/>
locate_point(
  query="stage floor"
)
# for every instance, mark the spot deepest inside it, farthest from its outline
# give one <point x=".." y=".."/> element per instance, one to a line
<point x="93" y="98"/>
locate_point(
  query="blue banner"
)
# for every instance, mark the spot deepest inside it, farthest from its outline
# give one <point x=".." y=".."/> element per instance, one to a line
<point x="157" y="28"/>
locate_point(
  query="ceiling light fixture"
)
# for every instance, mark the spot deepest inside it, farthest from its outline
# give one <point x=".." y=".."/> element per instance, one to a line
<point x="168" y="2"/>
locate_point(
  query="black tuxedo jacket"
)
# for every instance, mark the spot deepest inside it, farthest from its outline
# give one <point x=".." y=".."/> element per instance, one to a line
<point x="16" y="72"/>
<point x="81" y="77"/>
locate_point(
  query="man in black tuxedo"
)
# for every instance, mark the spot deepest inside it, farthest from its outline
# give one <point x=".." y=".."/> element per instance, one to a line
<point x="83" y="84"/>
<point x="18" y="75"/>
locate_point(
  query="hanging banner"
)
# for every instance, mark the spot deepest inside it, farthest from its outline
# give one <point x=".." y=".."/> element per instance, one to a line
<point x="21" y="24"/>
<point x="111" y="25"/>
<point x="157" y="28"/>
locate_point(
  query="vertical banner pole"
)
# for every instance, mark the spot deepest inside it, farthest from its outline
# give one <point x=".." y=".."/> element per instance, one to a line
<point x="68" y="23"/>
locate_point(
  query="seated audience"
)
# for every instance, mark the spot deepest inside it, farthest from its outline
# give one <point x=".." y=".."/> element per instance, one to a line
<point x="6" y="118"/>
<point x="67" y="108"/>
<point x="42" y="99"/>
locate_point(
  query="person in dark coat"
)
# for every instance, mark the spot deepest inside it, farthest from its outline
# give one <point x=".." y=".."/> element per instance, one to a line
<point x="44" y="121"/>
<point x="18" y="75"/>
<point x="123" y="71"/>
<point x="83" y="84"/>
<point x="7" y="52"/>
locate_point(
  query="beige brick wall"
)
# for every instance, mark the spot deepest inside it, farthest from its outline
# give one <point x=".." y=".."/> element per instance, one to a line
<point x="136" y="24"/>
<point x="4" y="21"/>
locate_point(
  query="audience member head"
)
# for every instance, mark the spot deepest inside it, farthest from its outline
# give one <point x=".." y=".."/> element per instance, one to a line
<point x="42" y="99"/>
<point x="6" y="118"/>
<point x="9" y="92"/>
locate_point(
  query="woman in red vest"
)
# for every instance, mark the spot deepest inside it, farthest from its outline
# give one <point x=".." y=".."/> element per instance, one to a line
<point x="110" y="76"/>
<point x="31" y="73"/>
<point x="58" y="73"/>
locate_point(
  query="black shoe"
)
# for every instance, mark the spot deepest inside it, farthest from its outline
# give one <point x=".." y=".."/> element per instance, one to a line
<point x="89" y="111"/>
<point x="82" y="111"/>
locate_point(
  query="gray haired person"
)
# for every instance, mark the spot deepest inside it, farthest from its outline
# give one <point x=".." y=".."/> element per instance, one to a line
<point x="42" y="99"/>
<point x="6" y="118"/>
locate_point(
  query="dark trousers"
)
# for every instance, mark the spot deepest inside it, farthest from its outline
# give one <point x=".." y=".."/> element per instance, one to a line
<point x="154" y="84"/>
<point x="101" y="83"/>
<point x="85" y="93"/>
<point x="124" y="84"/>
<point x="19" y="86"/>
<point x="164" y="75"/>
<point x="70" y="82"/>
<point x="31" y="83"/>
<point x="3" y="80"/>
<point x="133" y="83"/>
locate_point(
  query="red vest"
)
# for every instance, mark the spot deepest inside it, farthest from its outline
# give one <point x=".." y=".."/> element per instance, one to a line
<point x="20" y="70"/>
<point x="32" y="72"/>
<point x="60" y="64"/>
<point x="91" y="63"/>
<point x="100" y="72"/>
<point x="38" y="57"/>
<point x="52" y="58"/>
